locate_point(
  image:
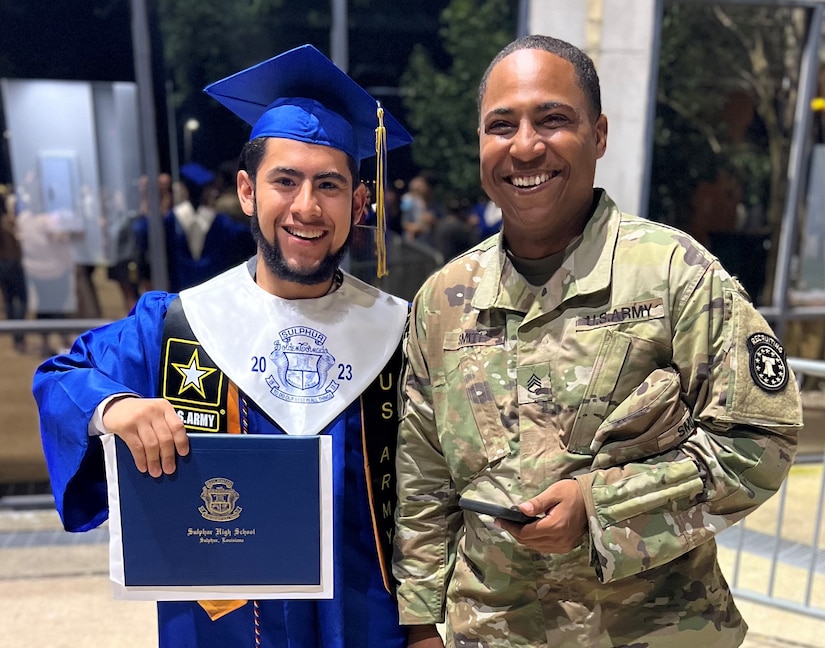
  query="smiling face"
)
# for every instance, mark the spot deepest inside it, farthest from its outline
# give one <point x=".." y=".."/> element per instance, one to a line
<point x="539" y="143"/>
<point x="303" y="200"/>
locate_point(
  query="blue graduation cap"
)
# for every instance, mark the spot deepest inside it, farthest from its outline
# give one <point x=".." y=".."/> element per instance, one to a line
<point x="302" y="95"/>
<point x="197" y="173"/>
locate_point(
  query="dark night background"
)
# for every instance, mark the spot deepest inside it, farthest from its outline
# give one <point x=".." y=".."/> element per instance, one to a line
<point x="91" y="40"/>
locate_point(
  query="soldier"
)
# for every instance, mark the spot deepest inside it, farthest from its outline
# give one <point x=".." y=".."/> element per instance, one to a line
<point x="299" y="186"/>
<point x="598" y="371"/>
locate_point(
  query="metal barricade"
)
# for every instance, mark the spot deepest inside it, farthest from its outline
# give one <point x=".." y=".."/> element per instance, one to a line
<point x="409" y="264"/>
<point x="776" y="555"/>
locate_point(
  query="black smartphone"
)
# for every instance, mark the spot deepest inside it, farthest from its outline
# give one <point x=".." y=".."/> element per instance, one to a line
<point x="496" y="510"/>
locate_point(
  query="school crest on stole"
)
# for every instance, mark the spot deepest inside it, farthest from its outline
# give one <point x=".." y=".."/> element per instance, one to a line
<point x="302" y="365"/>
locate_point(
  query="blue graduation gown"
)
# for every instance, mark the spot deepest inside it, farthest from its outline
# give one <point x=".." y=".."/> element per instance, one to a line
<point x="124" y="357"/>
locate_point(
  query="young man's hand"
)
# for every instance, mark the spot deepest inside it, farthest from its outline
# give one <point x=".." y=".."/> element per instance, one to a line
<point x="151" y="429"/>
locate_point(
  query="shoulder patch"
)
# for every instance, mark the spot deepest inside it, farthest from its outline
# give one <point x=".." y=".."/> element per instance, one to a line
<point x="766" y="359"/>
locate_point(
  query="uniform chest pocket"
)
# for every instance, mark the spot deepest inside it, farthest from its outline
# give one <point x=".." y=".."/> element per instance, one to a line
<point x="474" y="399"/>
<point x="600" y="398"/>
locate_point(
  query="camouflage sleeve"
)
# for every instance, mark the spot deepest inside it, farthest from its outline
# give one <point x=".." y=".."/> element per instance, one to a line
<point x="427" y="517"/>
<point x="746" y="412"/>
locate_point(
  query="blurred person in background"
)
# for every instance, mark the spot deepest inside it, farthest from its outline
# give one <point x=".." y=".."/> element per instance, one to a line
<point x="46" y="240"/>
<point x="392" y="204"/>
<point x="487" y="218"/>
<point x="455" y="232"/>
<point x="140" y="226"/>
<point x="419" y="211"/>
<point x="201" y="242"/>
<point x="226" y="192"/>
<point x="123" y="268"/>
<point x="12" y="275"/>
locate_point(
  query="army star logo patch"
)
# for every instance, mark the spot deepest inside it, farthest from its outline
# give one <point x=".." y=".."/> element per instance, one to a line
<point x="193" y="374"/>
<point x="767" y="363"/>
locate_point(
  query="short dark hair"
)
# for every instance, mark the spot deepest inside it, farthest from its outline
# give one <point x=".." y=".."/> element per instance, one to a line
<point x="586" y="76"/>
<point x="253" y="152"/>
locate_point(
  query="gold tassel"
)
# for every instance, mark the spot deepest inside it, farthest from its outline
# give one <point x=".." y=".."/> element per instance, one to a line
<point x="380" y="187"/>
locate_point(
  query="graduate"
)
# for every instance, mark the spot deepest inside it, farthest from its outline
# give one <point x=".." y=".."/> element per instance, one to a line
<point x="240" y="340"/>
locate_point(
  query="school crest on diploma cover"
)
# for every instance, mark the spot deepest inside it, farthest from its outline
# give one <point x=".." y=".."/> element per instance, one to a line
<point x="219" y="500"/>
<point x="302" y="367"/>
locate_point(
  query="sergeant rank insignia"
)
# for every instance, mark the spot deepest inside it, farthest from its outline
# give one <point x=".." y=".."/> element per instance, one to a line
<point x="768" y="366"/>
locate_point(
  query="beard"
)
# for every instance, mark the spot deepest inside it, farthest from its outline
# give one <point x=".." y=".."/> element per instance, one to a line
<point x="277" y="265"/>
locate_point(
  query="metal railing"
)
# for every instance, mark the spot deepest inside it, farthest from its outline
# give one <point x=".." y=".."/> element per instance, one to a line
<point x="763" y="547"/>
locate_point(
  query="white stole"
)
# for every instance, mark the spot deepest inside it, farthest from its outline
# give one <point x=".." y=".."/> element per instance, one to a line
<point x="303" y="361"/>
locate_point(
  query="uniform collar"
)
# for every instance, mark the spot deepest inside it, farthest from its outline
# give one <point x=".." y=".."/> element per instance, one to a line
<point x="588" y="269"/>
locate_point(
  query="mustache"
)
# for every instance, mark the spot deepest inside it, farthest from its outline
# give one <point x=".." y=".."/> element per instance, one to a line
<point x="276" y="263"/>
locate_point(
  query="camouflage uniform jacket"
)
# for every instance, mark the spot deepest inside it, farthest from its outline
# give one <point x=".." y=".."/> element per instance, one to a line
<point x="640" y="369"/>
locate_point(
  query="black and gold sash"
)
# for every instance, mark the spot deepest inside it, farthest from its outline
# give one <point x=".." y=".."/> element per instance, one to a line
<point x="379" y="434"/>
<point x="191" y="381"/>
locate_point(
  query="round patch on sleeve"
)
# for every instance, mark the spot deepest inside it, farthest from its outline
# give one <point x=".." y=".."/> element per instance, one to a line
<point x="767" y="363"/>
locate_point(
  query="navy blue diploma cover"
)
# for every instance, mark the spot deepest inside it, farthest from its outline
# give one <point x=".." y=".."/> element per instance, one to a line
<point x="242" y="516"/>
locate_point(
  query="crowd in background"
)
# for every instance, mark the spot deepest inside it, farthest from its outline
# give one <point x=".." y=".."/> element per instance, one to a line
<point x="41" y="278"/>
<point x="205" y="233"/>
<point x="447" y="227"/>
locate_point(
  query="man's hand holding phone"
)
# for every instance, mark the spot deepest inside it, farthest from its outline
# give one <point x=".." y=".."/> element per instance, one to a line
<point x="562" y="523"/>
<point x="511" y="514"/>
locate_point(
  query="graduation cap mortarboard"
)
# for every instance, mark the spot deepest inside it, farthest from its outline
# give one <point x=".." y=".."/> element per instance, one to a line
<point x="197" y="173"/>
<point x="302" y="95"/>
